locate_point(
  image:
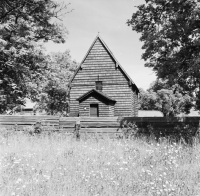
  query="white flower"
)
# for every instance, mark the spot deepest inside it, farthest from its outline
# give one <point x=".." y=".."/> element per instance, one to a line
<point x="19" y="180"/>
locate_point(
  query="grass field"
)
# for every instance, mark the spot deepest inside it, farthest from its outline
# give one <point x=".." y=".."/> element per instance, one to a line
<point x="58" y="165"/>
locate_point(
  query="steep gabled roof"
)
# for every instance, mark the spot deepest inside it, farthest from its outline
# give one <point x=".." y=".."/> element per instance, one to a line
<point x="96" y="92"/>
<point x="111" y="54"/>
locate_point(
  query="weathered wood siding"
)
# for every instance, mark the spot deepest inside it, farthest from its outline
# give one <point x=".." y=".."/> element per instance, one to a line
<point x="84" y="107"/>
<point x="134" y="100"/>
<point x="20" y="121"/>
<point x="111" y="110"/>
<point x="99" y="65"/>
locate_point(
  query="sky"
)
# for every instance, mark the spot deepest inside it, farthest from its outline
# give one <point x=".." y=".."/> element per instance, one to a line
<point x="108" y="17"/>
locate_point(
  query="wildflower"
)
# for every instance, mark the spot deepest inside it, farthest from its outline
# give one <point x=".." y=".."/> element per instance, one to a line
<point x="116" y="183"/>
<point x="19" y="180"/>
<point x="48" y="177"/>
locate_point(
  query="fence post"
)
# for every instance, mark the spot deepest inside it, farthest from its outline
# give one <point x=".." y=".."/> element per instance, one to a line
<point x="38" y="127"/>
<point x="16" y="127"/>
<point x="77" y="130"/>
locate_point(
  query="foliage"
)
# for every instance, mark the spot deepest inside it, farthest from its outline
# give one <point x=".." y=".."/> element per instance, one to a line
<point x="129" y="130"/>
<point x="159" y="84"/>
<point x="170" y="32"/>
<point x="54" y="89"/>
<point x="172" y="104"/>
<point x="24" y="25"/>
<point x="60" y="67"/>
<point x="53" y="100"/>
<point x="147" y="100"/>
<point x="185" y="133"/>
<point x="170" y="101"/>
<point x="175" y="132"/>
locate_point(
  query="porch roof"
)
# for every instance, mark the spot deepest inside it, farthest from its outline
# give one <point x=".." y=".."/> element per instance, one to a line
<point x="93" y="91"/>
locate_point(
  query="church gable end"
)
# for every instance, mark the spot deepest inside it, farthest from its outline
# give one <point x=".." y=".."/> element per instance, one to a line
<point x="100" y="67"/>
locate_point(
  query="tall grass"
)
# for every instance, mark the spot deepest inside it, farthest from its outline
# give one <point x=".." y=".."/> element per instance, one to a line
<point x="57" y="164"/>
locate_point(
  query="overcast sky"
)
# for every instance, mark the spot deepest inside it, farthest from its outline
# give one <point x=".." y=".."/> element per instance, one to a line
<point x="108" y="17"/>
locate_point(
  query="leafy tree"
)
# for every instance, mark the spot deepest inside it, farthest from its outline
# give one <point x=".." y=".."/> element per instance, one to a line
<point x="158" y="85"/>
<point x="54" y="89"/>
<point x="24" y="25"/>
<point x="147" y="100"/>
<point x="170" y="101"/>
<point x="61" y="67"/>
<point x="53" y="99"/>
<point x="172" y="104"/>
<point x="170" y="31"/>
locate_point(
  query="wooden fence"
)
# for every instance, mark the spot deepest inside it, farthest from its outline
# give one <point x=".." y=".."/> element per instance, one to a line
<point x="19" y="122"/>
<point x="96" y="124"/>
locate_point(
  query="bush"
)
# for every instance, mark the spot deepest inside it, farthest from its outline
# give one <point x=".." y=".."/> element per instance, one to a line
<point x="129" y="130"/>
<point x="185" y="133"/>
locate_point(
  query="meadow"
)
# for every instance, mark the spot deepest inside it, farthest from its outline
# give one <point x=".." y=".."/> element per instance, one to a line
<point x="56" y="164"/>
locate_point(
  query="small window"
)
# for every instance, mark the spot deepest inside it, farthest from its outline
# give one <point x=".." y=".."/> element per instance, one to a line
<point x="99" y="85"/>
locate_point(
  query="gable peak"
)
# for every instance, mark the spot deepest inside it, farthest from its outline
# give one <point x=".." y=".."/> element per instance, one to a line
<point x="98" y="37"/>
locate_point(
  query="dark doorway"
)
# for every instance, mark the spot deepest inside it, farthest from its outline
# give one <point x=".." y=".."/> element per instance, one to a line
<point x="94" y="110"/>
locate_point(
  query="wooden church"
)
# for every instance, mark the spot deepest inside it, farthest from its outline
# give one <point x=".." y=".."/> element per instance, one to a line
<point x="100" y="86"/>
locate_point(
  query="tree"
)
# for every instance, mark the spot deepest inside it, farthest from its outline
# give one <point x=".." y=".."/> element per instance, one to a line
<point x="159" y="84"/>
<point x="170" y="31"/>
<point x="61" y="67"/>
<point x="24" y="25"/>
<point x="170" y="101"/>
<point x="172" y="104"/>
<point x="147" y="100"/>
<point x="54" y="89"/>
<point x="53" y="100"/>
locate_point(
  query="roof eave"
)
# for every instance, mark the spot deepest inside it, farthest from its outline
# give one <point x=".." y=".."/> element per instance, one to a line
<point x="93" y="90"/>
<point x="83" y="60"/>
<point x="125" y="73"/>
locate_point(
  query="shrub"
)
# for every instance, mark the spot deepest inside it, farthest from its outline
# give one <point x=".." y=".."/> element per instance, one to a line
<point x="129" y="130"/>
<point x="185" y="133"/>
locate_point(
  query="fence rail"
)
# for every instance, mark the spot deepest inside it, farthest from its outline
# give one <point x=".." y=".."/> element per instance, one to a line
<point x="95" y="124"/>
